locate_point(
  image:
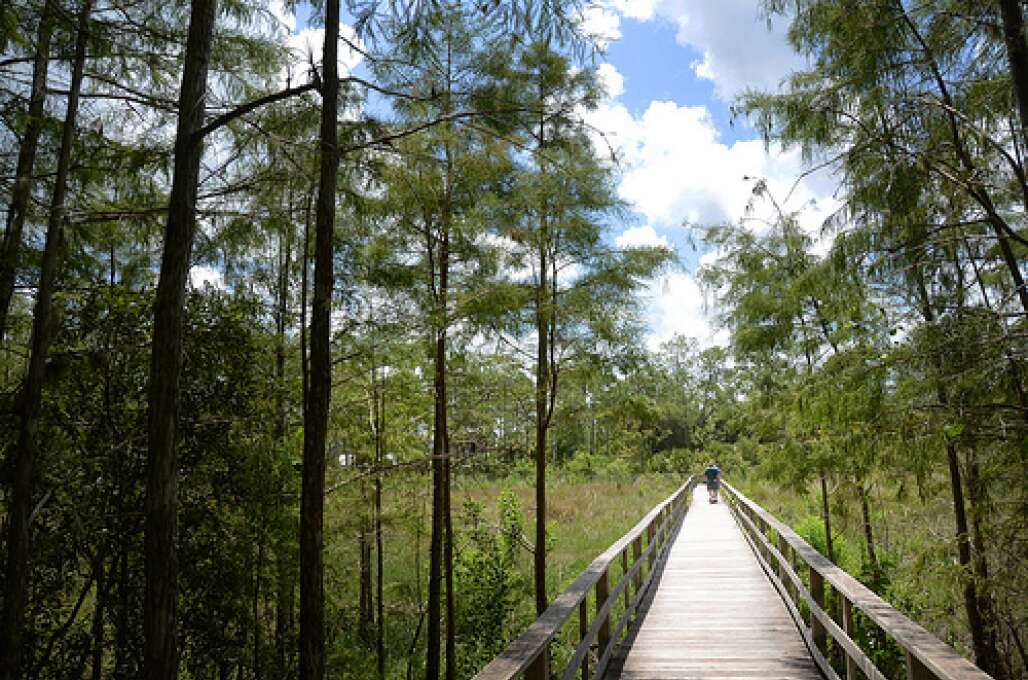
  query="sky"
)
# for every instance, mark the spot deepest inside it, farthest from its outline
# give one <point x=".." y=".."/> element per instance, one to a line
<point x="672" y="69"/>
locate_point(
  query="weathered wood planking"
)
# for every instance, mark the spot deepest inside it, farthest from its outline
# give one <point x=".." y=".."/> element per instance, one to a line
<point x="715" y="615"/>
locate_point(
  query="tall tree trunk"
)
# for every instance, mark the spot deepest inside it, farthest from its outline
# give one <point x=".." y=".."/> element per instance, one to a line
<point x="1017" y="59"/>
<point x="451" y="603"/>
<point x="99" y="610"/>
<point x="258" y="567"/>
<point x="542" y="380"/>
<point x="432" y="660"/>
<point x="19" y="511"/>
<point x="872" y="555"/>
<point x="440" y="481"/>
<point x="826" y="517"/>
<point x="281" y="551"/>
<point x="121" y="631"/>
<point x="983" y="650"/>
<point x="365" y="601"/>
<point x="977" y="501"/>
<point x="160" y="607"/>
<point x="312" y="502"/>
<point x="379" y="554"/>
<point x="22" y="191"/>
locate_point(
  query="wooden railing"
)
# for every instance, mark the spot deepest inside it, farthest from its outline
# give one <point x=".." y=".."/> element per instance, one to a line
<point x="926" y="657"/>
<point x="529" y="655"/>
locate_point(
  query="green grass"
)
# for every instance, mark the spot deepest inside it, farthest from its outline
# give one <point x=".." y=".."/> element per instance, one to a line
<point x="585" y="517"/>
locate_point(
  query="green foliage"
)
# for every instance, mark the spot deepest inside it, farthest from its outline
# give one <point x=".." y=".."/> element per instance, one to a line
<point x="489" y="583"/>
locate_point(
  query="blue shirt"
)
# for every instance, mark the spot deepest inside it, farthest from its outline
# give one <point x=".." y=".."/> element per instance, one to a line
<point x="712" y="473"/>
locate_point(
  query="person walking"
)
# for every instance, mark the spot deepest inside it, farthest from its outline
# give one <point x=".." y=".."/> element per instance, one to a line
<point x="713" y="473"/>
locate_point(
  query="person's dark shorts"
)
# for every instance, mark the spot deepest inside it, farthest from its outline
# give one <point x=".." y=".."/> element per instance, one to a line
<point x="712" y="486"/>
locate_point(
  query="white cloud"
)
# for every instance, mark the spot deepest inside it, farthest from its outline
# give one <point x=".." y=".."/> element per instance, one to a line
<point x="613" y="82"/>
<point x="202" y="275"/>
<point x="641" y="10"/>
<point x="737" y="49"/>
<point x="600" y="23"/>
<point x="677" y="308"/>
<point x="676" y="170"/>
<point x="641" y="236"/>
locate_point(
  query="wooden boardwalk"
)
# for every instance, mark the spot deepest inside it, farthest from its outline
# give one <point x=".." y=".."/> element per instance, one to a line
<point x="714" y="614"/>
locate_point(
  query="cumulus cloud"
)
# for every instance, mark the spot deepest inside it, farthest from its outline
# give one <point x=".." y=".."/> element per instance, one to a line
<point x="307" y="45"/>
<point x="613" y="82"/>
<point x="716" y="30"/>
<point x="676" y="170"/>
<point x="677" y="308"/>
<point x="636" y="237"/>
<point x="601" y="23"/>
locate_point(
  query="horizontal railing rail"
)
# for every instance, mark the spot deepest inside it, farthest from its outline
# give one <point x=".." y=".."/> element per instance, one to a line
<point x="926" y="656"/>
<point x="529" y="655"/>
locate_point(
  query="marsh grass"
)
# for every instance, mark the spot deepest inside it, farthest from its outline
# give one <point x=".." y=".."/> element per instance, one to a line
<point x="585" y="517"/>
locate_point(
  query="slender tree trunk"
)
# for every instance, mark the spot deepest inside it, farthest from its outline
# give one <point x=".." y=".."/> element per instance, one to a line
<point x="432" y="660"/>
<point x="16" y="582"/>
<point x="160" y="610"/>
<point x="281" y="551"/>
<point x="983" y="650"/>
<point x="99" y="610"/>
<point x="379" y="581"/>
<point x="451" y="603"/>
<point x="121" y="639"/>
<point x="258" y="567"/>
<point x="977" y="502"/>
<point x="542" y="385"/>
<point x="366" y="604"/>
<point x="378" y="393"/>
<point x="1017" y="59"/>
<point x="826" y="516"/>
<point x="872" y="555"/>
<point x="542" y="381"/>
<point x="22" y="191"/>
<point x="312" y="502"/>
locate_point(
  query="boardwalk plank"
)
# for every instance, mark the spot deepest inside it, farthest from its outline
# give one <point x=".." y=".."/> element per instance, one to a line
<point x="714" y="614"/>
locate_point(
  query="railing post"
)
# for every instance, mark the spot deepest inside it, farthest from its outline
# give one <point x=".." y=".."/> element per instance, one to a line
<point x="847" y="626"/>
<point x="637" y="551"/>
<point x="817" y="629"/>
<point x="624" y="572"/>
<point x="602" y="592"/>
<point x="583" y="629"/>
<point x="783" y="566"/>
<point x="540" y="666"/>
<point x="916" y="670"/>
<point x="653" y="553"/>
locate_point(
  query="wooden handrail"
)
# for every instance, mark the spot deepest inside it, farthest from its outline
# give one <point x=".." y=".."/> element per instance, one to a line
<point x="528" y="655"/>
<point x="927" y="657"/>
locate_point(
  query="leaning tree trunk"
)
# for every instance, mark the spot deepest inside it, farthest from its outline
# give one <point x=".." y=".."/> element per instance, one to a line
<point x="22" y="191"/>
<point x="19" y="512"/>
<point x="160" y="652"/>
<point x="312" y="500"/>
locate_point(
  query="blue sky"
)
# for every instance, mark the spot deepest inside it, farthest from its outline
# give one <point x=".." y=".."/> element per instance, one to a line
<point x="672" y="69"/>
